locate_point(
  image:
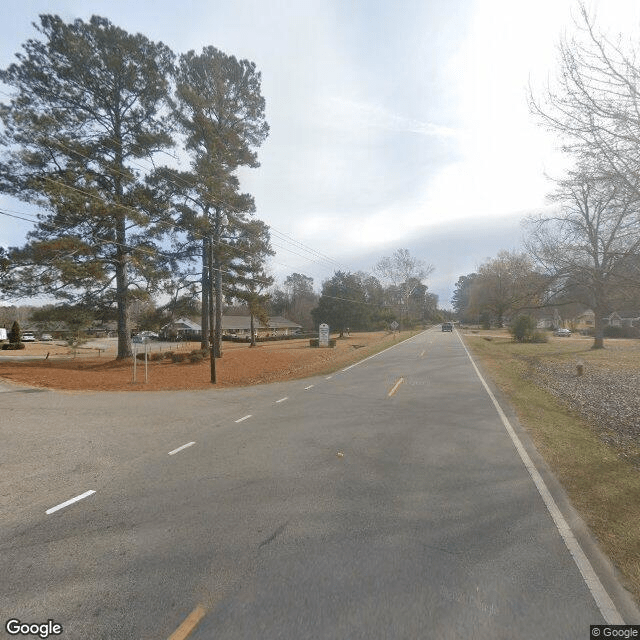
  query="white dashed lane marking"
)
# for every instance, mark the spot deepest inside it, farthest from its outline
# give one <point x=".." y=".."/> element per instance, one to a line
<point x="184" y="446"/>
<point x="244" y="418"/>
<point x="68" y="502"/>
<point x="282" y="399"/>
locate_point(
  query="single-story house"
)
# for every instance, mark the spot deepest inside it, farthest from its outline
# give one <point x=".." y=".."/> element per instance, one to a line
<point x="239" y="326"/>
<point x="616" y="320"/>
<point x="181" y="329"/>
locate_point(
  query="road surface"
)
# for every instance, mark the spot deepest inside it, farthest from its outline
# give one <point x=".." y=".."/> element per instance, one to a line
<point x="389" y="500"/>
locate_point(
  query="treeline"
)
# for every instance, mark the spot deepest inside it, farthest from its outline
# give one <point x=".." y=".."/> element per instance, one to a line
<point x="586" y="250"/>
<point x="92" y="135"/>
<point x="356" y="301"/>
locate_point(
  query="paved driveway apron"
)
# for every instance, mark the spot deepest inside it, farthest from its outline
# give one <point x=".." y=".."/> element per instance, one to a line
<point x="384" y="501"/>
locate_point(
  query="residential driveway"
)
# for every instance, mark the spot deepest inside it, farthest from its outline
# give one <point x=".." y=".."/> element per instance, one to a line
<point x="388" y="500"/>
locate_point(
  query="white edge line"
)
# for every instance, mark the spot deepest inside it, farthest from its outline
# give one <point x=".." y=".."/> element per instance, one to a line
<point x="309" y="387"/>
<point x="244" y="418"/>
<point x="68" y="502"/>
<point x="328" y="377"/>
<point x="282" y="399"/>
<point x="184" y="446"/>
<point x="599" y="593"/>
<point x="393" y="346"/>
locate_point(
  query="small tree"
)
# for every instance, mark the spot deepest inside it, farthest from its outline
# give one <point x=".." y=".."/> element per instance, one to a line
<point x="15" y="334"/>
<point x="523" y="329"/>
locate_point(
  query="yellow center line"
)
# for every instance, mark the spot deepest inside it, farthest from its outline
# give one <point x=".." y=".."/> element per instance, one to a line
<point x="395" y="387"/>
<point x="190" y="623"/>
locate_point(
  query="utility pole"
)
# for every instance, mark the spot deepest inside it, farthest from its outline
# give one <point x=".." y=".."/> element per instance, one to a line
<point x="211" y="285"/>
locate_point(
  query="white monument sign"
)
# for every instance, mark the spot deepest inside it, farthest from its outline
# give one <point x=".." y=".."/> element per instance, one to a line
<point x="324" y="335"/>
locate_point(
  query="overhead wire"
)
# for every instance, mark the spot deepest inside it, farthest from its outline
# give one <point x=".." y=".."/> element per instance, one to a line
<point x="313" y="255"/>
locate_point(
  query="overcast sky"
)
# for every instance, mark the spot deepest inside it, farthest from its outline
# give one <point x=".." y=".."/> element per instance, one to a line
<point x="393" y="124"/>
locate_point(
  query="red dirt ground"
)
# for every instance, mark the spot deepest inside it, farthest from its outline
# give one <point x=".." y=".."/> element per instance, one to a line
<point x="240" y="365"/>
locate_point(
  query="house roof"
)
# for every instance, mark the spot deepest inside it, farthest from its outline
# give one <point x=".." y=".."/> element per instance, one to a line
<point x="240" y="322"/>
<point x="236" y="323"/>
<point x="244" y="322"/>
<point x="279" y="322"/>
<point x="183" y="323"/>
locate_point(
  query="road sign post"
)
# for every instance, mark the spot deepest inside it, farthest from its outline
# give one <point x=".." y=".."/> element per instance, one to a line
<point x="323" y="337"/>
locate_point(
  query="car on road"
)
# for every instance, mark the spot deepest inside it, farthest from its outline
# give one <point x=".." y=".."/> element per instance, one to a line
<point x="28" y="336"/>
<point x="447" y="326"/>
<point x="562" y="333"/>
<point x="149" y="335"/>
<point x="46" y="337"/>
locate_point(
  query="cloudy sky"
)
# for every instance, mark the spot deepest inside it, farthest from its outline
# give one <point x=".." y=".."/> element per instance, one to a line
<point x="393" y="124"/>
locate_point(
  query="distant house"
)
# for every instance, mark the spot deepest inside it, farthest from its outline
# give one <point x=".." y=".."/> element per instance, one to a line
<point x="548" y="319"/>
<point x="181" y="329"/>
<point x="237" y="326"/>
<point x="616" y="320"/>
<point x="103" y="329"/>
<point x="586" y="321"/>
<point x="241" y="326"/>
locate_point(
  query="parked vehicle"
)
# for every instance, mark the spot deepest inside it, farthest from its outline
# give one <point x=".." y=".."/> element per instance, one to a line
<point x="150" y="335"/>
<point x="137" y="339"/>
<point x="562" y="333"/>
<point x="3" y="333"/>
<point x="28" y="336"/>
<point x="447" y="326"/>
<point x="46" y="337"/>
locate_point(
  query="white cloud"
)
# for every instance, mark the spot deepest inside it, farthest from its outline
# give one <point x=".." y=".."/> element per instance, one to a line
<point x="351" y="115"/>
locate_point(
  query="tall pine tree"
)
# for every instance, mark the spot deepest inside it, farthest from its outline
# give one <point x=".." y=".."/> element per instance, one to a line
<point x="90" y="102"/>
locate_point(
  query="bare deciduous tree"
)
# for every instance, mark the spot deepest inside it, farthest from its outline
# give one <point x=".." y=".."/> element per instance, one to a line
<point x="591" y="246"/>
<point x="588" y="246"/>
<point x="405" y="273"/>
<point x="505" y="285"/>
<point x="594" y="104"/>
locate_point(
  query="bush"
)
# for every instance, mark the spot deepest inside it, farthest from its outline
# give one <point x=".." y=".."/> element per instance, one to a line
<point x="620" y="332"/>
<point x="178" y="357"/>
<point x="15" y="333"/>
<point x="539" y="337"/>
<point x="155" y="356"/>
<point x="315" y="342"/>
<point x="523" y="329"/>
<point x="196" y="357"/>
<point x="13" y="346"/>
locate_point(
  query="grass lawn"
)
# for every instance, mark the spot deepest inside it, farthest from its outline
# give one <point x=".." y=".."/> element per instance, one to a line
<point x="601" y="477"/>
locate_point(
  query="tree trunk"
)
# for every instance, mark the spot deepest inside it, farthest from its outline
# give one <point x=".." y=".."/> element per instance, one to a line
<point x="598" y="327"/>
<point x="218" y="332"/>
<point x="205" y="286"/>
<point x="122" y="290"/>
<point x="253" y="337"/>
<point x="122" y="257"/>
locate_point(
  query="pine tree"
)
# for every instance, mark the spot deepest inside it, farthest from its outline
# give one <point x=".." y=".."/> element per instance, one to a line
<point x="90" y="101"/>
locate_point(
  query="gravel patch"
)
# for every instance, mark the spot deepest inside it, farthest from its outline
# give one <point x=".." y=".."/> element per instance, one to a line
<point x="608" y="399"/>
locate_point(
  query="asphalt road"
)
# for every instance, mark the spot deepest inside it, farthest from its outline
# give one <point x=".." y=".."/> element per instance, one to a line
<point x="386" y="501"/>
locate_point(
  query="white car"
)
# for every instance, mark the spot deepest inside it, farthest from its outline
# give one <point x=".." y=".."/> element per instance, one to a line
<point x="28" y="336"/>
<point x="562" y="333"/>
<point x="46" y="337"/>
